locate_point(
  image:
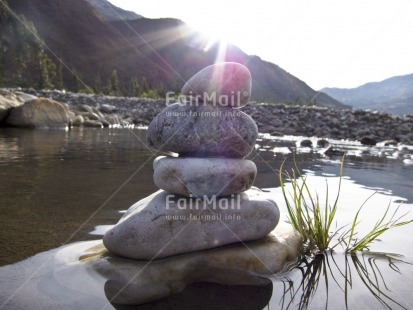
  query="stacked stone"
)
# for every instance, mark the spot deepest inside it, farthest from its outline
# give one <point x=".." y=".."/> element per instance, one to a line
<point x="206" y="198"/>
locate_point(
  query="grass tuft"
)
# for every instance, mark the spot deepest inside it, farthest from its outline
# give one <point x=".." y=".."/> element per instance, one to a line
<point x="383" y="224"/>
<point x="306" y="213"/>
<point x="313" y="220"/>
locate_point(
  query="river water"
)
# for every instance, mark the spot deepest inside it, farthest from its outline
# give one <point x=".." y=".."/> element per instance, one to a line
<point x="58" y="187"/>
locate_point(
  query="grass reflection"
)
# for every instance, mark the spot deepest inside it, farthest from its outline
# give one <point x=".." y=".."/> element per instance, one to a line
<point x="313" y="216"/>
<point x="330" y="270"/>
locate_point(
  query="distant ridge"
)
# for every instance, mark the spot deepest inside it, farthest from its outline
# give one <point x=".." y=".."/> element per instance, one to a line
<point x="393" y="95"/>
<point x="111" y="12"/>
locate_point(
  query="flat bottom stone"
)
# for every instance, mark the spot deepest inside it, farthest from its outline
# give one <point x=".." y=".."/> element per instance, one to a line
<point x="164" y="224"/>
<point x="139" y="281"/>
<point x="84" y="275"/>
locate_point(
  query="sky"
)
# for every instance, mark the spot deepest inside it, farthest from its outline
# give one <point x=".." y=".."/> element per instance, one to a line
<point x="325" y="43"/>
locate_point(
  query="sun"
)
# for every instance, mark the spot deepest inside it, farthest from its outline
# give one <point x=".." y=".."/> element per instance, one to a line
<point x="216" y="34"/>
<point x="228" y="25"/>
<point x="210" y="42"/>
<point x="218" y="30"/>
<point x="218" y="21"/>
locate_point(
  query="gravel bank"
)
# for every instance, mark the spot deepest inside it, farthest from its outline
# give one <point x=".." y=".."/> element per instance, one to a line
<point x="277" y="119"/>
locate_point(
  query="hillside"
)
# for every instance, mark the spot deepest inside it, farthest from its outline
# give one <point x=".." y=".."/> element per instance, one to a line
<point x="75" y="33"/>
<point x="111" y="12"/>
<point x="393" y="95"/>
<point x="163" y="53"/>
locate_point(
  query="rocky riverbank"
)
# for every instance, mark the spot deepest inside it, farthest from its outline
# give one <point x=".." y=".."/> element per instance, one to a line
<point x="277" y="119"/>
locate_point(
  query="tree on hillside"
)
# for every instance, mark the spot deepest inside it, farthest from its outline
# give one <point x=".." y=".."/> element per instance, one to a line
<point x="144" y="85"/>
<point x="59" y="77"/>
<point x="98" y="85"/>
<point x="135" y="88"/>
<point x="47" y="72"/>
<point x="114" y="89"/>
<point x="160" y="90"/>
<point x="4" y="46"/>
<point x="23" y="60"/>
<point x="77" y="80"/>
<point x="80" y="85"/>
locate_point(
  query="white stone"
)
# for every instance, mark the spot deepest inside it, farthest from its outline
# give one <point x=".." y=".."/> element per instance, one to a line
<point x="164" y="224"/>
<point x="224" y="84"/>
<point x="199" y="177"/>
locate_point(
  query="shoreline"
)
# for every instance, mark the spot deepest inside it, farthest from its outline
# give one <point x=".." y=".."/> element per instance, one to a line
<point x="276" y="119"/>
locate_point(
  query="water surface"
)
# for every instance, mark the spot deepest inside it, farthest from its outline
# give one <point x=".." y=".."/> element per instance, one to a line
<point x="58" y="187"/>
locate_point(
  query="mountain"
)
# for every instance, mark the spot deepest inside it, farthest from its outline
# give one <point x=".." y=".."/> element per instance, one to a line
<point x="162" y="53"/>
<point x="76" y="37"/>
<point x="172" y="44"/>
<point x="111" y="12"/>
<point x="393" y="95"/>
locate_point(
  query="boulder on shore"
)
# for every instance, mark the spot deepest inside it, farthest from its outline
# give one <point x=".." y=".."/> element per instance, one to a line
<point x="39" y="113"/>
<point x="8" y="101"/>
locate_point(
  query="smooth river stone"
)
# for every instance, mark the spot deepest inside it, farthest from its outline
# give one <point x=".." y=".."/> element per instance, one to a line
<point x="39" y="113"/>
<point x="236" y="264"/>
<point x="202" y="131"/>
<point x="83" y="275"/>
<point x="164" y="224"/>
<point x="199" y="177"/>
<point x="224" y="84"/>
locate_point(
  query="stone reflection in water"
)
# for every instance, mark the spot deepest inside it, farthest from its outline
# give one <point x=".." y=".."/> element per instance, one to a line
<point x="84" y="275"/>
<point x="139" y="281"/>
<point x="17" y="143"/>
<point x="213" y="296"/>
